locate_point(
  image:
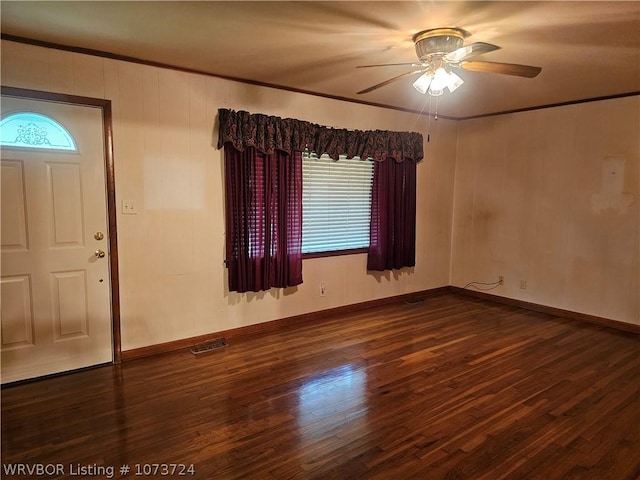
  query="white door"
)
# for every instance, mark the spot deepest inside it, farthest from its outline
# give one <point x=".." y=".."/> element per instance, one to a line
<point x="55" y="288"/>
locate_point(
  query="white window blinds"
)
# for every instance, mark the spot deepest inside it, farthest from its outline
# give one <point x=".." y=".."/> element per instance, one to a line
<point x="336" y="203"/>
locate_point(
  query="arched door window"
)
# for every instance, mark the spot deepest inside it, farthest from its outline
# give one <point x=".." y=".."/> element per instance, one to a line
<point x="34" y="130"/>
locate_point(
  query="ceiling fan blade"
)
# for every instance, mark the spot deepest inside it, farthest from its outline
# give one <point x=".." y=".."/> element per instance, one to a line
<point x="504" y="68"/>
<point x="469" y="51"/>
<point x="413" y="64"/>
<point x="387" y="82"/>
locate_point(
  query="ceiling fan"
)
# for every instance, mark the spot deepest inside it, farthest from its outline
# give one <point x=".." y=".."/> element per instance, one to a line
<point x="440" y="50"/>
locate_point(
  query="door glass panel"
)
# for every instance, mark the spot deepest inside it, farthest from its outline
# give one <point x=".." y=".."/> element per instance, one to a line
<point x="34" y="130"/>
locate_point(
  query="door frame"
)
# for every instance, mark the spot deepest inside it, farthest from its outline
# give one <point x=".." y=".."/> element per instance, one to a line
<point x="107" y="126"/>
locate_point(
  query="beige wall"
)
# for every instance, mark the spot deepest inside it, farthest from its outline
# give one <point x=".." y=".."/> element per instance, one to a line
<point x="536" y="199"/>
<point x="550" y="197"/>
<point x="172" y="278"/>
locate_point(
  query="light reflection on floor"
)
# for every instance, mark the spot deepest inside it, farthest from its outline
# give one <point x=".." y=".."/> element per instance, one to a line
<point x="337" y="395"/>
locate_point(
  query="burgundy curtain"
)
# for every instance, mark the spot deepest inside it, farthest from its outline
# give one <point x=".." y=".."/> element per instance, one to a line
<point x="263" y="218"/>
<point x="392" y="238"/>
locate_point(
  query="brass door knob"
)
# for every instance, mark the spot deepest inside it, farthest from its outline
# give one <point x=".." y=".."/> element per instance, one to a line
<point x="100" y="253"/>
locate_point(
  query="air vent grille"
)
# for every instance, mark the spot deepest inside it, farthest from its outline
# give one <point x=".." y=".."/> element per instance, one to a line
<point x="209" y="346"/>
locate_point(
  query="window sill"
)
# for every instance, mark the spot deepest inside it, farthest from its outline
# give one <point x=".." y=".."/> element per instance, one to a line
<point x="335" y="253"/>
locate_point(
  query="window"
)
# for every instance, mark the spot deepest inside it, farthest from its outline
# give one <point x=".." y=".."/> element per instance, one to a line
<point x="336" y="203"/>
<point x="33" y="130"/>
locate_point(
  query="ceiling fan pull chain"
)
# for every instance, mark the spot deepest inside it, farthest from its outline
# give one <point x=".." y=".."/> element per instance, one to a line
<point x="429" y="118"/>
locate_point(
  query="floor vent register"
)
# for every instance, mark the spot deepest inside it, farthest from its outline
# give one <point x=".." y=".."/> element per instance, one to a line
<point x="209" y="346"/>
<point x="414" y="301"/>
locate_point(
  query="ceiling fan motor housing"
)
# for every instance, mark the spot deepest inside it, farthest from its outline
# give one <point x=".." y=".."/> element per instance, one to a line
<point x="438" y="41"/>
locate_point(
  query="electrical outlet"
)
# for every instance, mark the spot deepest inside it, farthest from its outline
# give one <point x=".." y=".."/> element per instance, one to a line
<point x="500" y="280"/>
<point x="323" y="289"/>
<point x="523" y="284"/>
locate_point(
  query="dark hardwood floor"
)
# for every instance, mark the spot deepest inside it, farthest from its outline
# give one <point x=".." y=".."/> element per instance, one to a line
<point x="451" y="388"/>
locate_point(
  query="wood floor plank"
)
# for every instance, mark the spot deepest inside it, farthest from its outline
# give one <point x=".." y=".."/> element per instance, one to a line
<point x="454" y="387"/>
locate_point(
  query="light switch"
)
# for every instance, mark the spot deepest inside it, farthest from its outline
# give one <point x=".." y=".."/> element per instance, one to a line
<point x="129" y="208"/>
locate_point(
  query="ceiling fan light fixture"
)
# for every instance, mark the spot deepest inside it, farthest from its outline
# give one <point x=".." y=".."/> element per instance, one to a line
<point x="444" y="79"/>
<point x="440" y="80"/>
<point x="436" y="84"/>
<point x="422" y="83"/>
<point x="454" y="81"/>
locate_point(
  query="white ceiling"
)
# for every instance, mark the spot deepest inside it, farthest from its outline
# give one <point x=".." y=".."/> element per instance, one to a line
<point x="586" y="49"/>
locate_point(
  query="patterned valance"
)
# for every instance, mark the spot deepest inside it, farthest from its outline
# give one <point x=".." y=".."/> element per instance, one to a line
<point x="268" y="133"/>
